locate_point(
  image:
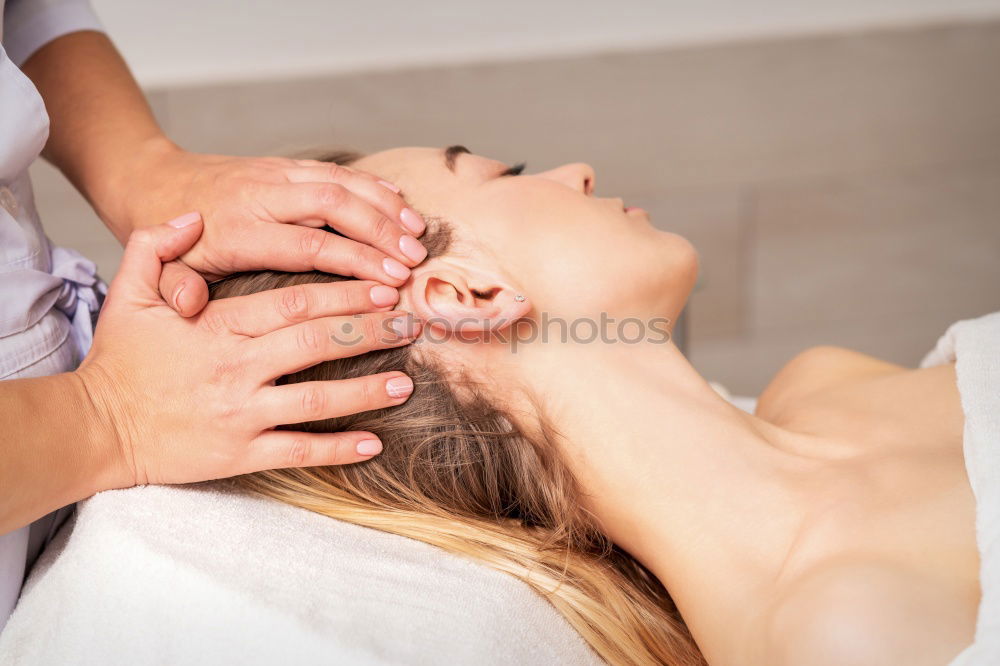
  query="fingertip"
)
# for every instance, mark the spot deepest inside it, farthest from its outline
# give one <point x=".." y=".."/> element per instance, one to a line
<point x="389" y="186"/>
<point x="412" y="221"/>
<point x="191" y="297"/>
<point x="406" y="326"/>
<point x="412" y="249"/>
<point x="399" y="387"/>
<point x="383" y="296"/>
<point x="395" y="270"/>
<point x="369" y="446"/>
<point x="185" y="220"/>
<point x="181" y="235"/>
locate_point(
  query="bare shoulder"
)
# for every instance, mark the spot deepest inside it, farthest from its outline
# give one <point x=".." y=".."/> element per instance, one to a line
<point x="817" y="369"/>
<point x="863" y="613"/>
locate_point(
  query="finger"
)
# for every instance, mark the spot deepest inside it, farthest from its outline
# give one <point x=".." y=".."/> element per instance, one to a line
<point x="278" y="449"/>
<point x="183" y="288"/>
<point x="344" y="211"/>
<point x="367" y="186"/>
<point x="314" y="222"/>
<point x="297" y="347"/>
<point x="284" y="247"/>
<point x="147" y="249"/>
<point x="266" y="311"/>
<point x="326" y="163"/>
<point x="315" y="401"/>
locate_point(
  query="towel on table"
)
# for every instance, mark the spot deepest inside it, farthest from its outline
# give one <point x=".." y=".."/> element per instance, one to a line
<point x="974" y="346"/>
<point x="203" y="575"/>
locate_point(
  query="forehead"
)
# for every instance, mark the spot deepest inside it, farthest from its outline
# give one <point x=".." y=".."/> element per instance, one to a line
<point x="403" y="162"/>
<point x="426" y="182"/>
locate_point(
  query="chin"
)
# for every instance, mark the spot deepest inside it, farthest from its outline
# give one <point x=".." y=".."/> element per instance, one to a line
<point x="689" y="264"/>
<point x="679" y="257"/>
<point x="680" y="273"/>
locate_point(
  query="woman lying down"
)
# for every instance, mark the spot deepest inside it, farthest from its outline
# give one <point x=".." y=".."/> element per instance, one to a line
<point x="835" y="526"/>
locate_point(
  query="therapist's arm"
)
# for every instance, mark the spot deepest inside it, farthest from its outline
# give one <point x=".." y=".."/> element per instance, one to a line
<point x="54" y="448"/>
<point x="104" y="138"/>
<point x="99" y="119"/>
<point x="164" y="399"/>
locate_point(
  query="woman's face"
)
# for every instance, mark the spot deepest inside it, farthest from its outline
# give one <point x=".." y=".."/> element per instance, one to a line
<point x="571" y="253"/>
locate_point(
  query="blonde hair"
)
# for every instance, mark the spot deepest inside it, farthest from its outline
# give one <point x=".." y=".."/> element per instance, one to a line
<point x="458" y="473"/>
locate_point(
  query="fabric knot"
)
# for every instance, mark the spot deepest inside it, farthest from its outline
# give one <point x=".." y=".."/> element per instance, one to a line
<point x="81" y="295"/>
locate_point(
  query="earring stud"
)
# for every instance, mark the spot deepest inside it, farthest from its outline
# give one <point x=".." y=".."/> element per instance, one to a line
<point x="520" y="298"/>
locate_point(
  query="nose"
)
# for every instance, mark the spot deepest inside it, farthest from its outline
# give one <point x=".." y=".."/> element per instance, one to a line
<point x="579" y="176"/>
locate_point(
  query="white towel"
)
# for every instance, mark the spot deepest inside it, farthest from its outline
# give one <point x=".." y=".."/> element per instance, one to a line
<point x="198" y="575"/>
<point x="974" y="346"/>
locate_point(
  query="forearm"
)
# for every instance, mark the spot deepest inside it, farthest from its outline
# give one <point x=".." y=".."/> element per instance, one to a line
<point x="54" y="448"/>
<point x="100" y="121"/>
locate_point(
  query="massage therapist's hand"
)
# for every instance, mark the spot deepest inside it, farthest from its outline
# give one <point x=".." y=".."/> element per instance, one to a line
<point x="191" y="399"/>
<point x="266" y="213"/>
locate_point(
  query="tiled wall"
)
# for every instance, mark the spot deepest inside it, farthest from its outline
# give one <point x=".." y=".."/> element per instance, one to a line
<point x="841" y="189"/>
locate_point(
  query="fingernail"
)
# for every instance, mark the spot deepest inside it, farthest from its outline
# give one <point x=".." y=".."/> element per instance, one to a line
<point x="368" y="447"/>
<point x="383" y="296"/>
<point x="412" y="221"/>
<point x="177" y="296"/>
<point x="389" y="186"/>
<point x="412" y="248"/>
<point x="405" y="326"/>
<point x="399" y="387"/>
<point x="395" y="269"/>
<point x="185" y="220"/>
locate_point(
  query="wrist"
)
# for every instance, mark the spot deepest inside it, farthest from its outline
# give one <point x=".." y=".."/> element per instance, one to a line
<point x="136" y="185"/>
<point x="105" y="449"/>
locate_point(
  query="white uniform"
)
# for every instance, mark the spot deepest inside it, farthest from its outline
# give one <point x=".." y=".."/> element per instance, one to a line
<point x="48" y="295"/>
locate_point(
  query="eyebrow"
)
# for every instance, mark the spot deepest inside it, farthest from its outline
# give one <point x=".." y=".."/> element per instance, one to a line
<point x="451" y="153"/>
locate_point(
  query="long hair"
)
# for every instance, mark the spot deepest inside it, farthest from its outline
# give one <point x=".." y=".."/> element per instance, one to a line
<point x="458" y="473"/>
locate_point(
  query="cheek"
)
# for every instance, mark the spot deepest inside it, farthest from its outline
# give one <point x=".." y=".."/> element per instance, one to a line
<point x="623" y="274"/>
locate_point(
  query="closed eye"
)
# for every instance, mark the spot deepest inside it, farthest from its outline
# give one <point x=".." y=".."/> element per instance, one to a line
<point x="515" y="170"/>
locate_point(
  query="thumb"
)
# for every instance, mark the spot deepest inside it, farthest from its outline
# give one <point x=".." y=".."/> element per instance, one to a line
<point x="183" y="288"/>
<point x="146" y="251"/>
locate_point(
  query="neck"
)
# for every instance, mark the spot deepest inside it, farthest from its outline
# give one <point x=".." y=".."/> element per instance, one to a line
<point x="707" y="496"/>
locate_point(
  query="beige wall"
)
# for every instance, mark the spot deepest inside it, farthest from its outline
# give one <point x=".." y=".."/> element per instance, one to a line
<point x="842" y="189"/>
<point x="192" y="41"/>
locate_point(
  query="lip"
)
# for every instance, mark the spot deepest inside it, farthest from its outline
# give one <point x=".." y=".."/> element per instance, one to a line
<point x="628" y="210"/>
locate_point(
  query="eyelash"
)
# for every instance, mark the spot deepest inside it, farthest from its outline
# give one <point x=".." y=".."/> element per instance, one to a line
<point x="515" y="170"/>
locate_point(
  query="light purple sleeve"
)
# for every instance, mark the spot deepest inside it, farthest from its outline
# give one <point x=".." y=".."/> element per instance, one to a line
<point x="28" y="25"/>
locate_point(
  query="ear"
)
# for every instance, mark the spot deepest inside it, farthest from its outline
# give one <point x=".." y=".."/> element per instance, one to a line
<point x="463" y="299"/>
